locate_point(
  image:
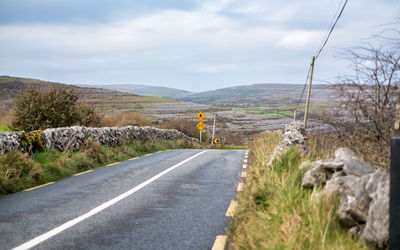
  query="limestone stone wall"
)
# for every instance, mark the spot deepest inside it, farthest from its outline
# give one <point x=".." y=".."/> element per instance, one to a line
<point x="71" y="138"/>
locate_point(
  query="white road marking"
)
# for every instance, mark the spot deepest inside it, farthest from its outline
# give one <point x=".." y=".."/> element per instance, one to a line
<point x="33" y="188"/>
<point x="220" y="242"/>
<point x="81" y="173"/>
<point x="112" y="164"/>
<point x="39" y="239"/>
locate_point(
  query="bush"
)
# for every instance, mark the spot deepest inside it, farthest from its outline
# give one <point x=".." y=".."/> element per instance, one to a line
<point x="125" y="119"/>
<point x="186" y="126"/>
<point x="38" y="109"/>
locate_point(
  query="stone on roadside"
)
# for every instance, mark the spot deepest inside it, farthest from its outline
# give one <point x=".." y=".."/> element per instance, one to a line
<point x="342" y="154"/>
<point x="354" y="200"/>
<point x="376" y="231"/>
<point x="356" y="167"/>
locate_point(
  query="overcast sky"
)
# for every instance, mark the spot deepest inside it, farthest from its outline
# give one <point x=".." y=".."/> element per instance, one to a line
<point x="194" y="45"/>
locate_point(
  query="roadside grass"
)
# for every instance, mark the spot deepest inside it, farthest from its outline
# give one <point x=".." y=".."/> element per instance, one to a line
<point x="19" y="171"/>
<point x="4" y="128"/>
<point x="275" y="212"/>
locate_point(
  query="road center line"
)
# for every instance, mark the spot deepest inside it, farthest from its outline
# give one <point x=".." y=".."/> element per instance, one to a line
<point x="39" y="239"/>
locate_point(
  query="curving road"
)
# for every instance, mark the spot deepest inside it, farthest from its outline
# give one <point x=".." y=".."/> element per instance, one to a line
<point x="168" y="200"/>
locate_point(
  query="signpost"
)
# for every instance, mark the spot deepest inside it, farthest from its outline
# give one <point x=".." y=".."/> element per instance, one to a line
<point x="215" y="141"/>
<point x="200" y="125"/>
<point x="213" y="134"/>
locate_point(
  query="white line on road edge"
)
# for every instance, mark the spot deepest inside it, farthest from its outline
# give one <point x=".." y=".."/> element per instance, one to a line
<point x="220" y="242"/>
<point x="81" y="173"/>
<point x="35" y="241"/>
<point x="46" y="184"/>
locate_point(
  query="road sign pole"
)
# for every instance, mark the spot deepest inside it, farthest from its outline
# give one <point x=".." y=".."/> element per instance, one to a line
<point x="213" y="134"/>
<point x="200" y="136"/>
<point x="394" y="202"/>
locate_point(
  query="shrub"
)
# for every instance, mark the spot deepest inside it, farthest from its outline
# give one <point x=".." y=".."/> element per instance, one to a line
<point x="14" y="166"/>
<point x="186" y="126"/>
<point x="125" y="119"/>
<point x="50" y="108"/>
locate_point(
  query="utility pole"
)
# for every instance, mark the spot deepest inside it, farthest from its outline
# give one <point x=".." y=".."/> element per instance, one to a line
<point x="309" y="93"/>
<point x="294" y="115"/>
<point x="213" y="134"/>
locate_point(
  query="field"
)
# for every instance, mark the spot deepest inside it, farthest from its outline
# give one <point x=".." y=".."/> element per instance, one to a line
<point x="242" y="112"/>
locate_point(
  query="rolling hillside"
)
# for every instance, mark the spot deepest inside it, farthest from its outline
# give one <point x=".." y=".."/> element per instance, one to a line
<point x="106" y="101"/>
<point x="144" y="90"/>
<point x="257" y="95"/>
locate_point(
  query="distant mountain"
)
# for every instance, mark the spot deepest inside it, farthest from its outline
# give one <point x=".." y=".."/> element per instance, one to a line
<point x="272" y="94"/>
<point x="144" y="90"/>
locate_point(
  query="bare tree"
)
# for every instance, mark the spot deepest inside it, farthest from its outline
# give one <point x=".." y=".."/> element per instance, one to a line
<point x="365" y="111"/>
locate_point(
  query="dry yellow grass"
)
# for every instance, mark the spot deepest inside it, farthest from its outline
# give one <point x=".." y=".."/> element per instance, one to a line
<point x="125" y="119"/>
<point x="275" y="212"/>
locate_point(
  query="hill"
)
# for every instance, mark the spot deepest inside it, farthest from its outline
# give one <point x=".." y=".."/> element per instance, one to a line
<point x="257" y="95"/>
<point x="105" y="101"/>
<point x="144" y="90"/>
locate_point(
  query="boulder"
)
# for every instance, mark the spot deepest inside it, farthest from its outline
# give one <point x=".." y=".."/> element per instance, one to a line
<point x="376" y="231"/>
<point x="314" y="176"/>
<point x="342" y="154"/>
<point x="320" y="172"/>
<point x="354" y="200"/>
<point x="356" y="167"/>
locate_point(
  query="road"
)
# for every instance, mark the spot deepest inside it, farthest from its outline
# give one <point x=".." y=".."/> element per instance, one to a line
<point x="173" y="199"/>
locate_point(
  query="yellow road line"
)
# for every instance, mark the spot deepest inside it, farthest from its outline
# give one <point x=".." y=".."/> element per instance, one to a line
<point x="245" y="161"/>
<point x="231" y="209"/>
<point x="30" y="189"/>
<point x="112" y="164"/>
<point x="84" y="172"/>
<point x="244" y="166"/>
<point x="220" y="242"/>
<point x="147" y="155"/>
<point x="133" y="158"/>
<point x="240" y="187"/>
<point x="243" y="175"/>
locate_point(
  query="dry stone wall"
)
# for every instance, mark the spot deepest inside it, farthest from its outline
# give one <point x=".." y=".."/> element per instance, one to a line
<point x="71" y="138"/>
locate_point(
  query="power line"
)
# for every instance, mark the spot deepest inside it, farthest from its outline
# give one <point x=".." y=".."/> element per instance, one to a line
<point x="330" y="31"/>
<point x="304" y="88"/>
<point x="326" y="38"/>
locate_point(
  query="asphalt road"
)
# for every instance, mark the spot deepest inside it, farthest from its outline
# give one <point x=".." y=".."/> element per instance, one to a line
<point x="168" y="200"/>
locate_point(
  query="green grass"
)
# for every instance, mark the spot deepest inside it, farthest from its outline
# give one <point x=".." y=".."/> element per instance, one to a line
<point x="275" y="212"/>
<point x="19" y="171"/>
<point x="4" y="128"/>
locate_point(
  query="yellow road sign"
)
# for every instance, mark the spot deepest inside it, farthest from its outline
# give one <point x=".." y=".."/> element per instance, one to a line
<point x="216" y="141"/>
<point x="200" y="126"/>
<point x="201" y="116"/>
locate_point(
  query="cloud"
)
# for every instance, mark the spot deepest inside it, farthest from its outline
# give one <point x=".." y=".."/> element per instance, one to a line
<point x="299" y="39"/>
<point x="211" y="41"/>
<point x="214" y="68"/>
